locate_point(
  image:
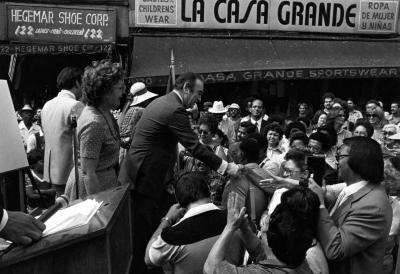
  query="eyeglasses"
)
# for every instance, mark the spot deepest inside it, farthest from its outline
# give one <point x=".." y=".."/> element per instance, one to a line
<point x="289" y="172"/>
<point x="371" y="115"/>
<point x="389" y="133"/>
<point x="257" y="107"/>
<point x="204" y="131"/>
<point x="341" y="156"/>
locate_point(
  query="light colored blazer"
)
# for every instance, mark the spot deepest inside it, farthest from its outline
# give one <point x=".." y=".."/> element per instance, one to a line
<point x="56" y="123"/>
<point x="354" y="238"/>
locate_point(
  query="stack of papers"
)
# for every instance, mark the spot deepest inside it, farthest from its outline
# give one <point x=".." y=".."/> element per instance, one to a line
<point x="71" y="217"/>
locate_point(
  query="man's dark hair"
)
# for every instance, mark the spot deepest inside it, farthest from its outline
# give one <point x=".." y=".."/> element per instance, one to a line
<point x="257" y="99"/>
<point x="322" y="138"/>
<point x="273" y="127"/>
<point x="365" y="123"/>
<point x="262" y="142"/>
<point x="250" y="128"/>
<point x="250" y="149"/>
<point x="298" y="157"/>
<point x="328" y="95"/>
<point x="189" y="78"/>
<point x="289" y="235"/>
<point x="190" y="188"/>
<point x="299" y="136"/>
<point x="68" y="76"/>
<point x="294" y="125"/>
<point x="396" y="103"/>
<point x="211" y="121"/>
<point x="306" y="201"/>
<point x="365" y="158"/>
<point x="375" y="102"/>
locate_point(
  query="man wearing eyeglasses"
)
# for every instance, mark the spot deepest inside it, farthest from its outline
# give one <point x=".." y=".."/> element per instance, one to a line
<point x="353" y="229"/>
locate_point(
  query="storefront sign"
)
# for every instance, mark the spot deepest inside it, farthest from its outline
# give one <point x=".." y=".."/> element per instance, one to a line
<point x="60" y="24"/>
<point x="55" y="48"/>
<point x="285" y="74"/>
<point x="335" y="16"/>
<point x="378" y="16"/>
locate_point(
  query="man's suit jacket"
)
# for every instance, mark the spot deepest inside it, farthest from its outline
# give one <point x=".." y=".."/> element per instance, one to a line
<point x="56" y="123"/>
<point x="354" y="237"/>
<point x="153" y="151"/>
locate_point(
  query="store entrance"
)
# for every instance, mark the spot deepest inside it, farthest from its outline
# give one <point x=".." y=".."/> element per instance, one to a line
<point x="36" y="75"/>
<point x="283" y="96"/>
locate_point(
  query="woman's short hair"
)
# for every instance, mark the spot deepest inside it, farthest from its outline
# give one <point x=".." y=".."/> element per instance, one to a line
<point x="294" y="125"/>
<point x="211" y="121"/>
<point x="366" y="124"/>
<point x="191" y="187"/>
<point x="98" y="80"/>
<point x="299" y="157"/>
<point x="250" y="128"/>
<point x="323" y="138"/>
<point x="274" y="127"/>
<point x="289" y="235"/>
<point x="329" y="131"/>
<point x="298" y="135"/>
<point x="365" y="158"/>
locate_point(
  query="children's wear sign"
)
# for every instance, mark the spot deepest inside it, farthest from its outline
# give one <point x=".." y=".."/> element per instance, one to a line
<point x="327" y="16"/>
<point x="60" y="24"/>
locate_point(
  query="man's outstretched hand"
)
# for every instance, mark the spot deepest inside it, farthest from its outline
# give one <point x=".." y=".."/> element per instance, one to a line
<point x="22" y="228"/>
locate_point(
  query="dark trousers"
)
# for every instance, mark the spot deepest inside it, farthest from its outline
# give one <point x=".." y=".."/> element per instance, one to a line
<point x="146" y="217"/>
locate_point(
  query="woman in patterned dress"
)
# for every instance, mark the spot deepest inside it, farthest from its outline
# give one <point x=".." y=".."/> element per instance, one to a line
<point x="98" y="132"/>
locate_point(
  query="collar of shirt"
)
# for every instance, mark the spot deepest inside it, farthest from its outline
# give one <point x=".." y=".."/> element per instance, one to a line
<point x="351" y="189"/>
<point x="179" y="95"/>
<point x="198" y="210"/>
<point x="258" y="122"/>
<point x="34" y="127"/>
<point x="69" y="93"/>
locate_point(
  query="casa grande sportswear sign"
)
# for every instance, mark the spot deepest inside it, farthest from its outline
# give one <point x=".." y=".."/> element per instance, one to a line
<point x="60" y="24"/>
<point x="334" y="16"/>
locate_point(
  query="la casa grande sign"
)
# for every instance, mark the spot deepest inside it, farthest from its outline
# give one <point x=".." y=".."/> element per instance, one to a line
<point x="338" y="16"/>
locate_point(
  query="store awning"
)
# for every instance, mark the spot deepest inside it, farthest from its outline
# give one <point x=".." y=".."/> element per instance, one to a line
<point x="235" y="60"/>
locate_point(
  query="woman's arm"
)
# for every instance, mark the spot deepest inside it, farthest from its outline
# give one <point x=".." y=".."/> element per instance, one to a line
<point x="91" y="180"/>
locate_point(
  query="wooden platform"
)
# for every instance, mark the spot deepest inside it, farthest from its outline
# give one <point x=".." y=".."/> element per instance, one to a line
<point x="102" y="246"/>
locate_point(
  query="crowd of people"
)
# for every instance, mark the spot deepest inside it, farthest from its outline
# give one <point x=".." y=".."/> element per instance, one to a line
<point x="227" y="189"/>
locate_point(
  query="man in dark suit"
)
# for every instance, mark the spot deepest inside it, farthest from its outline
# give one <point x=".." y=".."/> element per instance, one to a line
<point x="257" y="115"/>
<point x="150" y="160"/>
<point x="20" y="228"/>
<point x="353" y="233"/>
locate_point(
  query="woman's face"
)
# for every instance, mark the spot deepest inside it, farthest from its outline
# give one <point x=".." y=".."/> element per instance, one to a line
<point x="205" y="135"/>
<point x="340" y="118"/>
<point x="360" y="131"/>
<point x="322" y="120"/>
<point x="387" y="132"/>
<point x="115" y="95"/>
<point x="272" y="138"/>
<point x="372" y="117"/>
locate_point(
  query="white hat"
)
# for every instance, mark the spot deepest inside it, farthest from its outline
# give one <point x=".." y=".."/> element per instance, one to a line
<point x="27" y="108"/>
<point x="234" y="105"/>
<point x="395" y="137"/>
<point x="140" y="93"/>
<point x="218" y="107"/>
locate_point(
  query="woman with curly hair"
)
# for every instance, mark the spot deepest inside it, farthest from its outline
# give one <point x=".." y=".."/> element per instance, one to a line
<point x="97" y="130"/>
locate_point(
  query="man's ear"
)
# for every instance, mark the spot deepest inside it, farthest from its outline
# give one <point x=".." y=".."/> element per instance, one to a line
<point x="186" y="88"/>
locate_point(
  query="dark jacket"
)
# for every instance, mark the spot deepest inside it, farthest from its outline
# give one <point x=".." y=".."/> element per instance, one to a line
<point x="153" y="151"/>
